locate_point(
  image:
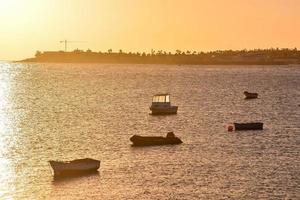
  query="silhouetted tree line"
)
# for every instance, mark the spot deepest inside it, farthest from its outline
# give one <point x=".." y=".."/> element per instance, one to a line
<point x="253" y="56"/>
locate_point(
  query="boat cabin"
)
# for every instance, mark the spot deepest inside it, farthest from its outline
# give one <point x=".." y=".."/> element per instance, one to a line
<point x="161" y="99"/>
<point x="161" y="104"/>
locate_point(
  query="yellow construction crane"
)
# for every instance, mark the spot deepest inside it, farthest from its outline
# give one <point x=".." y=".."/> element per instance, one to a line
<point x="68" y="41"/>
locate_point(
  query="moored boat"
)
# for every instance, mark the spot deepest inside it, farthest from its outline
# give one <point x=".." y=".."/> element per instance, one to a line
<point x="155" y="140"/>
<point x="248" y="126"/>
<point x="74" y="167"/>
<point x="249" y="95"/>
<point x="161" y="105"/>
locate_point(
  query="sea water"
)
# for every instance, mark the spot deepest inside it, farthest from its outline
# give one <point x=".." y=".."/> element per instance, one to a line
<point x="69" y="111"/>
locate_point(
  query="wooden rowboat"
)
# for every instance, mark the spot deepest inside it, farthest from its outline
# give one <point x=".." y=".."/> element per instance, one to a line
<point x="155" y="140"/>
<point x="74" y="167"/>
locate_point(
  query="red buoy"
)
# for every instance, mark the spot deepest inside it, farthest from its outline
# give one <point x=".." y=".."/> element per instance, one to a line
<point x="230" y="128"/>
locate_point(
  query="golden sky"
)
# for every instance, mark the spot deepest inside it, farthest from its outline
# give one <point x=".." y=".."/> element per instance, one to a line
<point x="142" y="25"/>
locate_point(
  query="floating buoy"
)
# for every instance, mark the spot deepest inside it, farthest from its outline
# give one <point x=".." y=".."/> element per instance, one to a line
<point x="230" y="128"/>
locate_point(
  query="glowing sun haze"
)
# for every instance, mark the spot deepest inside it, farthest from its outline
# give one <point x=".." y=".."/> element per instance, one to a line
<point x="142" y="25"/>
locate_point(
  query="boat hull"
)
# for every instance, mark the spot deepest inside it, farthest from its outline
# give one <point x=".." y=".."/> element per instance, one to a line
<point x="152" y="141"/>
<point x="164" y="110"/>
<point x="75" y="167"/>
<point x="249" y="95"/>
<point x="249" y="126"/>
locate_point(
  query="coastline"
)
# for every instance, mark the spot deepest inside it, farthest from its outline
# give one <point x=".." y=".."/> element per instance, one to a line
<point x="179" y="64"/>
<point x="228" y="57"/>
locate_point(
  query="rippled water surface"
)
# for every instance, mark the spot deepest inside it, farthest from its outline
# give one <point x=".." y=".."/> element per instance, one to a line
<point x="68" y="111"/>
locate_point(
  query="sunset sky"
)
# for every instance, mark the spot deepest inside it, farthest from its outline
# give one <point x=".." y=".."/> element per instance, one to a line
<point x="142" y="25"/>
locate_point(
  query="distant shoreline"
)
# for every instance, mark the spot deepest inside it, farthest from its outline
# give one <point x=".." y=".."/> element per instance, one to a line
<point x="200" y="64"/>
<point x="228" y="57"/>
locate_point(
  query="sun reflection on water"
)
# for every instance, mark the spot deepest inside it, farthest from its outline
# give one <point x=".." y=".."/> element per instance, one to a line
<point x="7" y="187"/>
<point x="4" y="96"/>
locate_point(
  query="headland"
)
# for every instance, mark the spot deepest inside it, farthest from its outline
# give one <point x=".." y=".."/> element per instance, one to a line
<point x="283" y="56"/>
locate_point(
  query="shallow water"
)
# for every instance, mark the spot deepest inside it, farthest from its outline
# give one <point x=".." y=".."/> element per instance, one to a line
<point x="68" y="111"/>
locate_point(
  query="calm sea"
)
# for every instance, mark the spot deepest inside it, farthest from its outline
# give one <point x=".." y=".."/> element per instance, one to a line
<point x="69" y="111"/>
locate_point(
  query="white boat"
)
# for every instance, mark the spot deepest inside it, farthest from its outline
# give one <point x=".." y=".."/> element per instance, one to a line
<point x="161" y="104"/>
<point x="74" y="167"/>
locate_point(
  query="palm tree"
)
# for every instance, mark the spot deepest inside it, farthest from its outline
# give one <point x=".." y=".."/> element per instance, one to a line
<point x="178" y="52"/>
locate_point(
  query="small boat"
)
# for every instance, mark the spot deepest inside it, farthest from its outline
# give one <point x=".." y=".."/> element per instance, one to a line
<point x="155" y="140"/>
<point x="248" y="126"/>
<point x="249" y="95"/>
<point x="74" y="167"/>
<point x="161" y="105"/>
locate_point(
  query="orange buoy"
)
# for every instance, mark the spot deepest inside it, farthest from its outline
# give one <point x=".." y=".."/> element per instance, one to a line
<point x="230" y="128"/>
